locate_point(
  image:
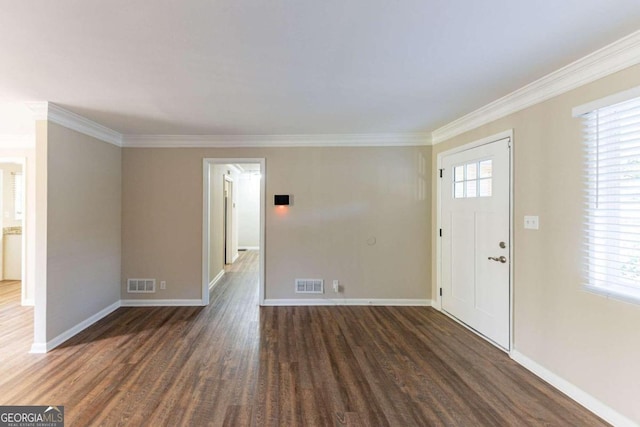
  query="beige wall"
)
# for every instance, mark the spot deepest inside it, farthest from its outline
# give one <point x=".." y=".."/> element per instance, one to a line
<point x="589" y="340"/>
<point x="83" y="218"/>
<point x="342" y="197"/>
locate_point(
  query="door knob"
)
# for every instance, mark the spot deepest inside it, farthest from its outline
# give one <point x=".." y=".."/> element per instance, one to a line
<point x="501" y="259"/>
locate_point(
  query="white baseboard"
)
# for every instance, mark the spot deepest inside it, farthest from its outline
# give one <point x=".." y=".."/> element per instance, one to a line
<point x="160" y="302"/>
<point x="28" y="303"/>
<point x="38" y="348"/>
<point x="235" y="257"/>
<point x="249" y="248"/>
<point x="585" y="399"/>
<point x="352" y="301"/>
<point x="216" y="279"/>
<point x="51" y="344"/>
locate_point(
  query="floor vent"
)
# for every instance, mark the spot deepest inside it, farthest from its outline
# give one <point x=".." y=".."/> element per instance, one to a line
<point x="141" y="286"/>
<point x="309" y="286"/>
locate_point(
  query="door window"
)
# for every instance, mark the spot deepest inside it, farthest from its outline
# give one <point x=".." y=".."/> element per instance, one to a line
<point x="473" y="179"/>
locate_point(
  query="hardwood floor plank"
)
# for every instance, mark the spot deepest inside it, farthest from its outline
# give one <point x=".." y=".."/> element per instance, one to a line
<point x="233" y="363"/>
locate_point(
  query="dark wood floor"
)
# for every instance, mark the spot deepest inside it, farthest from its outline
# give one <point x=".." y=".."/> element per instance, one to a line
<point x="235" y="364"/>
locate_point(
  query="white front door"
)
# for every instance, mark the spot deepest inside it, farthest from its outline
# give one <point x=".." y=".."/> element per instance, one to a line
<point x="475" y="238"/>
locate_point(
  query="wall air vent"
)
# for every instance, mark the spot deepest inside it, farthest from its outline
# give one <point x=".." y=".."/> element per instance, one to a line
<point x="141" y="286"/>
<point x="309" y="286"/>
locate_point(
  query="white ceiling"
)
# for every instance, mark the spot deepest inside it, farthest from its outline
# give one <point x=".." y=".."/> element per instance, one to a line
<point x="233" y="67"/>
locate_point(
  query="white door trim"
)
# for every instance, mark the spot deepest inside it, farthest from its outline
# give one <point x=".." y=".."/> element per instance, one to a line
<point x="437" y="300"/>
<point x="228" y="222"/>
<point x="206" y="164"/>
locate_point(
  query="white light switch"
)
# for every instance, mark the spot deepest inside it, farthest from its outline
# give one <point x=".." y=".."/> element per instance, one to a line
<point x="531" y="222"/>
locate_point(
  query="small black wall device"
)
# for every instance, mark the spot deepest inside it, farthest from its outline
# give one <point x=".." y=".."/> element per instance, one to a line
<point x="281" y="199"/>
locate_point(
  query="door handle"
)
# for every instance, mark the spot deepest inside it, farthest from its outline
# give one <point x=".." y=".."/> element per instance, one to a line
<point x="501" y="259"/>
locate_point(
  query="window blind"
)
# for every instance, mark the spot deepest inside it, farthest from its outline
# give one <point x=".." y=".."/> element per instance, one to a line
<point x="612" y="136"/>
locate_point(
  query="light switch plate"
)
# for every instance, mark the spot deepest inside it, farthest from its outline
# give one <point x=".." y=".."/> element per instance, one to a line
<point x="531" y="222"/>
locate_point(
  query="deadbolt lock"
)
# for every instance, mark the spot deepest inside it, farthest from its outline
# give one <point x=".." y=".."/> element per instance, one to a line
<point x="502" y="245"/>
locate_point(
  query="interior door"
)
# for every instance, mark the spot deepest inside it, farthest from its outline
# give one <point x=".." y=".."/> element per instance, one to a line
<point x="475" y="245"/>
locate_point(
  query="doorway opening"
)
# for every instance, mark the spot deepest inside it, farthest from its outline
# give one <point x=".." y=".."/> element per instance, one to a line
<point x="233" y="217"/>
<point x="12" y="219"/>
<point x="17" y="291"/>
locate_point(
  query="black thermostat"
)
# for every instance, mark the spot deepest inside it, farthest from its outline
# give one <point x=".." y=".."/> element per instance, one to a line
<point x="281" y="199"/>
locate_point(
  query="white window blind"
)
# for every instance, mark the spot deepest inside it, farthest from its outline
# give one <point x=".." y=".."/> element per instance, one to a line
<point x="612" y="136"/>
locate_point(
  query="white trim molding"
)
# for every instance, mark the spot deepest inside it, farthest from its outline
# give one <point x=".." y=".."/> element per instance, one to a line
<point x="582" y="397"/>
<point x="161" y="302"/>
<point x="53" y="113"/>
<point x="352" y="301"/>
<point x="252" y="141"/>
<point x="38" y="348"/>
<point x="607" y="101"/>
<point x="216" y="279"/>
<point x="617" y="56"/>
<point x="51" y="344"/>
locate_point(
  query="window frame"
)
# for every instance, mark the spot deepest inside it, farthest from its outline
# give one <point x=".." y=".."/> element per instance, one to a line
<point x="607" y="286"/>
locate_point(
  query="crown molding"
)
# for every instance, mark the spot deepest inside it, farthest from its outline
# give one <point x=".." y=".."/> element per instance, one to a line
<point x="612" y="58"/>
<point x="253" y="141"/>
<point x="56" y="114"/>
<point x="53" y="113"/>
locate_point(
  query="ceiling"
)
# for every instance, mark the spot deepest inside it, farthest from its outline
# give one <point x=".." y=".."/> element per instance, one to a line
<point x="248" y="167"/>
<point x="286" y="67"/>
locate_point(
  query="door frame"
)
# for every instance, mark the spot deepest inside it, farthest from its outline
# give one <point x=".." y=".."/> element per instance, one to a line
<point x="208" y="163"/>
<point x="437" y="304"/>
<point x="228" y="220"/>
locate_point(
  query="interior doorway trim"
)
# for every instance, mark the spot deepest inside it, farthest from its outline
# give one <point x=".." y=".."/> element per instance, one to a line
<point x="207" y="164"/>
<point x="228" y="220"/>
<point x="437" y="299"/>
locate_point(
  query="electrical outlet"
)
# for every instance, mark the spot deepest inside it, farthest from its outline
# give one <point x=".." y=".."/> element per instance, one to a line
<point x="163" y="285"/>
<point x="336" y="286"/>
<point x="531" y="222"/>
